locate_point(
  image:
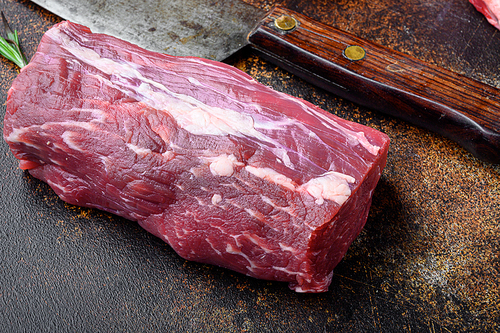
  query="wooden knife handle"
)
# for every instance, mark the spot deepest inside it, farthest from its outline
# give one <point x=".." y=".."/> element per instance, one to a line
<point x="457" y="107"/>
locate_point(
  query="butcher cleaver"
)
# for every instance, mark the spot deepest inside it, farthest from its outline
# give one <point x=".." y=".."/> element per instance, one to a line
<point x="371" y="75"/>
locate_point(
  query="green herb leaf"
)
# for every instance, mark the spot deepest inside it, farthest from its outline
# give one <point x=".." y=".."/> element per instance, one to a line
<point x="9" y="47"/>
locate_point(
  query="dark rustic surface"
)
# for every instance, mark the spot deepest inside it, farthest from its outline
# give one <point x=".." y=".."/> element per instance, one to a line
<point x="427" y="260"/>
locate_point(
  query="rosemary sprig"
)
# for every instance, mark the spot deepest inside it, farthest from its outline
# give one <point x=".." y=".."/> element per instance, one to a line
<point x="9" y="46"/>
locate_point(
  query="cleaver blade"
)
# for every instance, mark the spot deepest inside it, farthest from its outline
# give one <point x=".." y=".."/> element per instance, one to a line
<point x="202" y="28"/>
<point x="455" y="106"/>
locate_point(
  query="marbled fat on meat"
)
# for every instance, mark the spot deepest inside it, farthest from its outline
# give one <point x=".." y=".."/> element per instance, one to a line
<point x="224" y="169"/>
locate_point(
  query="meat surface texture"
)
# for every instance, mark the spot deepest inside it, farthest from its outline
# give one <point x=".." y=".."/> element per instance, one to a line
<point x="224" y="169"/>
<point x="490" y="9"/>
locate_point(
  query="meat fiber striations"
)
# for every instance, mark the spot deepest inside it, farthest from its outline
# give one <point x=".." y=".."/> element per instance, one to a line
<point x="224" y="169"/>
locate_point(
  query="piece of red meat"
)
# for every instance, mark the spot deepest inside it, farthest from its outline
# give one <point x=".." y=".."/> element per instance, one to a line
<point x="490" y="9"/>
<point x="224" y="169"/>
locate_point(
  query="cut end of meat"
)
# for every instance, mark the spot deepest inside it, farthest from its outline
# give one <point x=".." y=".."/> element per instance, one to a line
<point x="490" y="9"/>
<point x="224" y="169"/>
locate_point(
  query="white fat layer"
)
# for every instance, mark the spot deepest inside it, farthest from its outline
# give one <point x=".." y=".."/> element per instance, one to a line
<point x="283" y="157"/>
<point x="190" y="113"/>
<point x="67" y="137"/>
<point x="286" y="209"/>
<point x="271" y="176"/>
<point x="331" y="186"/>
<point x="15" y="136"/>
<point x="212" y="246"/>
<point x="193" y="115"/>
<point x="139" y="150"/>
<point x="98" y="115"/>
<point x="223" y="165"/>
<point x="231" y="250"/>
<point x="216" y="199"/>
<point x="287" y="271"/>
<point x="69" y="123"/>
<point x="287" y="248"/>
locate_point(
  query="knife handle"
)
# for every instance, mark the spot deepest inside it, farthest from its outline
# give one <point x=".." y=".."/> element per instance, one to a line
<point x="457" y="107"/>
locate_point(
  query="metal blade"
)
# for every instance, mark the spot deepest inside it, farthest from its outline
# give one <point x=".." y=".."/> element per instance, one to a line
<point x="203" y="28"/>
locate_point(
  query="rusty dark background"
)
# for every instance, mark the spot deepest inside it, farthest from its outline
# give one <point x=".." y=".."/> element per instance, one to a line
<point x="427" y="260"/>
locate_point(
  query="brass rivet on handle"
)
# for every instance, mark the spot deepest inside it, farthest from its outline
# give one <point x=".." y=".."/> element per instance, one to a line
<point x="354" y="52"/>
<point x="285" y="23"/>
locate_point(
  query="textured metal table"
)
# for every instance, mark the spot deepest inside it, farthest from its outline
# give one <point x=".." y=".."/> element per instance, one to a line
<point x="427" y="260"/>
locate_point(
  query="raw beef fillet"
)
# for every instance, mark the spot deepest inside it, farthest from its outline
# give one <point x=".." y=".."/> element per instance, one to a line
<point x="490" y="9"/>
<point x="224" y="169"/>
